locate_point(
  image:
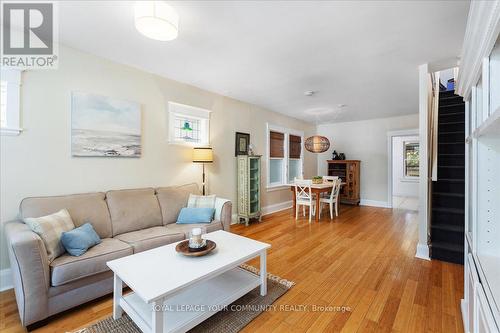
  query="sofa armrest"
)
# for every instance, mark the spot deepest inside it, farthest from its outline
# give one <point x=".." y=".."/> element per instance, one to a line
<point x="30" y="271"/>
<point x="223" y="212"/>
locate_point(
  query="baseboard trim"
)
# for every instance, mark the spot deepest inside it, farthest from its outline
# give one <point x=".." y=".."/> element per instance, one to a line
<point x="422" y="252"/>
<point x="234" y="219"/>
<point x="5" y="279"/>
<point x="277" y="207"/>
<point x="463" y="307"/>
<point x="374" y="203"/>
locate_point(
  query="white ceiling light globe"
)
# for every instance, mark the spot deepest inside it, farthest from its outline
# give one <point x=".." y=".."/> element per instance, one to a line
<point x="156" y="20"/>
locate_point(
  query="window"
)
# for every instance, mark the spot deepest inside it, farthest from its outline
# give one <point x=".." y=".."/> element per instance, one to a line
<point x="411" y="159"/>
<point x="294" y="157"/>
<point x="188" y="125"/>
<point x="285" y="158"/>
<point x="9" y="101"/>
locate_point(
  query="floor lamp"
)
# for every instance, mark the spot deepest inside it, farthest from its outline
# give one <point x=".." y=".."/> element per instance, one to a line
<point x="203" y="155"/>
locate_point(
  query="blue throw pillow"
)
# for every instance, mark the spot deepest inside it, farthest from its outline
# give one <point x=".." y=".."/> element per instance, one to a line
<point x="79" y="240"/>
<point x="195" y="215"/>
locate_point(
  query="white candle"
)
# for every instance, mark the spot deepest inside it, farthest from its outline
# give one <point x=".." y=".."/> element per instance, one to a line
<point x="195" y="240"/>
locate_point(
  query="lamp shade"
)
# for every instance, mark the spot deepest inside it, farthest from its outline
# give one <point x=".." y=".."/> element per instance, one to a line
<point x="156" y="20"/>
<point x="317" y="144"/>
<point x="203" y="155"/>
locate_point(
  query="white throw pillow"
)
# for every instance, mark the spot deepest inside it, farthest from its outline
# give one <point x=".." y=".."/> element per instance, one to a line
<point x="201" y="201"/>
<point x="50" y="229"/>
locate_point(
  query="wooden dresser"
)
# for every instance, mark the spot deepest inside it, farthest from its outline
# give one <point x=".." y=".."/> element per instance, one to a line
<point x="348" y="171"/>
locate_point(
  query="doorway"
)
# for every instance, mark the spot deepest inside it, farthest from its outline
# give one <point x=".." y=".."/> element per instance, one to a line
<point x="404" y="175"/>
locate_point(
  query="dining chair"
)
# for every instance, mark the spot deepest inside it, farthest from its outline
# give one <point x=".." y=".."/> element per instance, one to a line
<point x="304" y="197"/>
<point x="330" y="178"/>
<point x="332" y="199"/>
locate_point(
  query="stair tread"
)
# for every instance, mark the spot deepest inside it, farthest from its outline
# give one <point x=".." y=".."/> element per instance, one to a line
<point x="451" y="105"/>
<point x="452" y="132"/>
<point x="448" y="210"/>
<point x="449" y="97"/>
<point x="451" y="180"/>
<point x="448" y="227"/>
<point x="447" y="194"/>
<point x="451" y="154"/>
<point x="452" y="114"/>
<point x="451" y="166"/>
<point x="451" y="123"/>
<point x="452" y="143"/>
<point x="448" y="246"/>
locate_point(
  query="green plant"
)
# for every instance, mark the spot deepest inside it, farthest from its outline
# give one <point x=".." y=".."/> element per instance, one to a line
<point x="317" y="177"/>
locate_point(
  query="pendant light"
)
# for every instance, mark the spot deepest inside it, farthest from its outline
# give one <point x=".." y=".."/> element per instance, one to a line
<point x="317" y="144"/>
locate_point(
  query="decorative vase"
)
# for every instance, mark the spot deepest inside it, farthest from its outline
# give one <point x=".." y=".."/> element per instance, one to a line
<point x="341" y="156"/>
<point x="335" y="156"/>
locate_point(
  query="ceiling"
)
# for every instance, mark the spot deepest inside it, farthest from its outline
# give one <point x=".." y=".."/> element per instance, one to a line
<point x="363" y="54"/>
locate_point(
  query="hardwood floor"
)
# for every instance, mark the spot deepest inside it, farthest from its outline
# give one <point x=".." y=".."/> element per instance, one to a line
<point x="363" y="261"/>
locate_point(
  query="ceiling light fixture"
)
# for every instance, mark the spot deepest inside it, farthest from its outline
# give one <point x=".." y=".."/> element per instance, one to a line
<point x="156" y="20"/>
<point x="309" y="92"/>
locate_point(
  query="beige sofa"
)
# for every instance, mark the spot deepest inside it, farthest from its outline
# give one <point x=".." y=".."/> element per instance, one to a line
<point x="128" y="221"/>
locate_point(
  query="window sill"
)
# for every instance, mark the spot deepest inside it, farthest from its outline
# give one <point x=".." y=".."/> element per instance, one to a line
<point x="273" y="188"/>
<point x="10" y="131"/>
<point x="188" y="144"/>
<point x="409" y="180"/>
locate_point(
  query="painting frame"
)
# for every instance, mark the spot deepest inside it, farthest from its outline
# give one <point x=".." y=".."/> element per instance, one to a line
<point x="103" y="126"/>
<point x="242" y="141"/>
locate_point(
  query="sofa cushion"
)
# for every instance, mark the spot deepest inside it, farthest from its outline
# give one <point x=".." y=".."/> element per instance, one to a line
<point x="83" y="208"/>
<point x="50" y="228"/>
<point x="172" y="199"/>
<point x="150" y="238"/>
<point x="68" y="268"/>
<point x="186" y="228"/>
<point x="133" y="210"/>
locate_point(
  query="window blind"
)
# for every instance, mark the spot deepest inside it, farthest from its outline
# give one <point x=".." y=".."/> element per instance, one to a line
<point x="276" y="144"/>
<point x="295" y="146"/>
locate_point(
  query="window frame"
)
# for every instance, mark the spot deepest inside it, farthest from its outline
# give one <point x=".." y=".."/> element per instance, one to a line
<point x="177" y="110"/>
<point x="405" y="176"/>
<point x="13" y="107"/>
<point x="286" y="159"/>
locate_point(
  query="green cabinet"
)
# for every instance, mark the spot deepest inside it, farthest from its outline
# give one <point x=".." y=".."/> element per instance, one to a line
<point x="249" y="173"/>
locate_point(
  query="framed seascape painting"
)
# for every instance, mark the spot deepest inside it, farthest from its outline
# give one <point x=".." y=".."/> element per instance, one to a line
<point x="104" y="126"/>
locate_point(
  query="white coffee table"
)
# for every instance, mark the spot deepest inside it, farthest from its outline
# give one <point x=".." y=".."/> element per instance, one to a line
<point x="174" y="293"/>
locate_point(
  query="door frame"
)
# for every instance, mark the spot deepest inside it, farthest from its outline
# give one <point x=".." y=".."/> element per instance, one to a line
<point x="390" y="135"/>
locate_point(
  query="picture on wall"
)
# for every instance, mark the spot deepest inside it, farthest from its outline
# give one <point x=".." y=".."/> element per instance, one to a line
<point x="104" y="126"/>
<point x="241" y="144"/>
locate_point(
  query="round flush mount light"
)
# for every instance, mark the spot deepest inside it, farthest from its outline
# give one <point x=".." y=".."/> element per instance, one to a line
<point x="156" y="20"/>
<point x="309" y="92"/>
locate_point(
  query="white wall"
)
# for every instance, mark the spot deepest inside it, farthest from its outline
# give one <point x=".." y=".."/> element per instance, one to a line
<point x="365" y="140"/>
<point x="401" y="186"/>
<point x="38" y="162"/>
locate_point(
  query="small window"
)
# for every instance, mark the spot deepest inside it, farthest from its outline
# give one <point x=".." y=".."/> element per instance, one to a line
<point x="188" y="125"/>
<point x="10" y="90"/>
<point x="285" y="158"/>
<point x="411" y="159"/>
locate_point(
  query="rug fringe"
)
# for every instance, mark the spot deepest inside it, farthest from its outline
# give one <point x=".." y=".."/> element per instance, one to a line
<point x="284" y="282"/>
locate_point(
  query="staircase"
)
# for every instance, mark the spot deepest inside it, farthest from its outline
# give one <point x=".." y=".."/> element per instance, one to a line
<point x="448" y="203"/>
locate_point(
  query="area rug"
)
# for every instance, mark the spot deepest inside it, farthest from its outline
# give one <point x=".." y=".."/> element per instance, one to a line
<point x="237" y="315"/>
